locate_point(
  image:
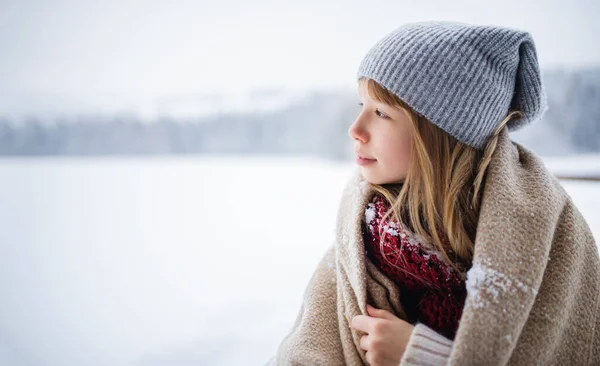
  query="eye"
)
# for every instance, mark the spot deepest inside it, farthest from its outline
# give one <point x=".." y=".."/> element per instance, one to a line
<point x="377" y="112"/>
<point x="380" y="114"/>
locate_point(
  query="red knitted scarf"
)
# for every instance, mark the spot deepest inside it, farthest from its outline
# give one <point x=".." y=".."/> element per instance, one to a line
<point x="432" y="292"/>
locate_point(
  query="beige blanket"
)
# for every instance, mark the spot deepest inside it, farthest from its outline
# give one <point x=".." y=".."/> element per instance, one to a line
<point x="533" y="288"/>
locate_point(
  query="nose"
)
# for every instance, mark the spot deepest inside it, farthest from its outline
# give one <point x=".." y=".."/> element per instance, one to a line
<point x="356" y="132"/>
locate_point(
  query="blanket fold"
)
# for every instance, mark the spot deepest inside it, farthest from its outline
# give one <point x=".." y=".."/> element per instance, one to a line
<point x="533" y="290"/>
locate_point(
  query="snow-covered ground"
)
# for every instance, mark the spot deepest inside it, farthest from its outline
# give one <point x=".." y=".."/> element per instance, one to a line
<point x="167" y="261"/>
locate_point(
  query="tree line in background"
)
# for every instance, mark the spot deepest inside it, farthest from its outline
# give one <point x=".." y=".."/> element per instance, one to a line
<point x="316" y="124"/>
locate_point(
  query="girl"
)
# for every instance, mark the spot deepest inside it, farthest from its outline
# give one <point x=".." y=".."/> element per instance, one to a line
<point x="454" y="244"/>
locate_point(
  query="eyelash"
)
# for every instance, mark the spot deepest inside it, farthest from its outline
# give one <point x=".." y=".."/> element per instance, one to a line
<point x="377" y="112"/>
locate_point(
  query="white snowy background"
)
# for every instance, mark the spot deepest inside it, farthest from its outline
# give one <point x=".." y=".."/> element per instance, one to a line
<point x="195" y="260"/>
<point x="167" y="261"/>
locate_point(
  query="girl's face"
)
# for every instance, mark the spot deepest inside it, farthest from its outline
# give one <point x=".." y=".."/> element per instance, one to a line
<point x="382" y="134"/>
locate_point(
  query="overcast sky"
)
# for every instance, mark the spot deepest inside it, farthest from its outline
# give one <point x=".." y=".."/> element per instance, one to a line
<point x="82" y="50"/>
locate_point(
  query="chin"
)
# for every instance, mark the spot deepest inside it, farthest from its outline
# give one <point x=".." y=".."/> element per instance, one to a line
<point x="374" y="179"/>
<point x="370" y="177"/>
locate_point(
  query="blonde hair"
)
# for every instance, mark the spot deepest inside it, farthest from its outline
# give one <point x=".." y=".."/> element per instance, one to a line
<point x="440" y="197"/>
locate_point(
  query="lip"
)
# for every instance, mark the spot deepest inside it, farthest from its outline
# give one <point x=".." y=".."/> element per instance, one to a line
<point x="364" y="161"/>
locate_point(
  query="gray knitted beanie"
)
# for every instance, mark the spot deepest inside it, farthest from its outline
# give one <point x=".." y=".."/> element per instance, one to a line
<point x="464" y="78"/>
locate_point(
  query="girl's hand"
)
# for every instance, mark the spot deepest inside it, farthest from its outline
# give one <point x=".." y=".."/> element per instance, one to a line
<point x="387" y="336"/>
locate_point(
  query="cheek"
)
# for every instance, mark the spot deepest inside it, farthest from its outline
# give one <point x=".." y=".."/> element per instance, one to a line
<point x="402" y="150"/>
<point x="406" y="151"/>
<point x="403" y="162"/>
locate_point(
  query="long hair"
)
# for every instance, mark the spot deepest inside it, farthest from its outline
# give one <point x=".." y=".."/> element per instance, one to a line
<point x="441" y="195"/>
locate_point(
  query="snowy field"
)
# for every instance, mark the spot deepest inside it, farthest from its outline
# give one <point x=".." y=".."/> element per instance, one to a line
<point x="173" y="261"/>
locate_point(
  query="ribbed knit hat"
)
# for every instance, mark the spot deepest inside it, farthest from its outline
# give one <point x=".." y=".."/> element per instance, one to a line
<point x="464" y="78"/>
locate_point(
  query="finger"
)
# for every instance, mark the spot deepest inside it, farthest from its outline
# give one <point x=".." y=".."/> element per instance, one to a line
<point x="365" y="343"/>
<point x="370" y="356"/>
<point x="362" y="323"/>
<point x="380" y="313"/>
